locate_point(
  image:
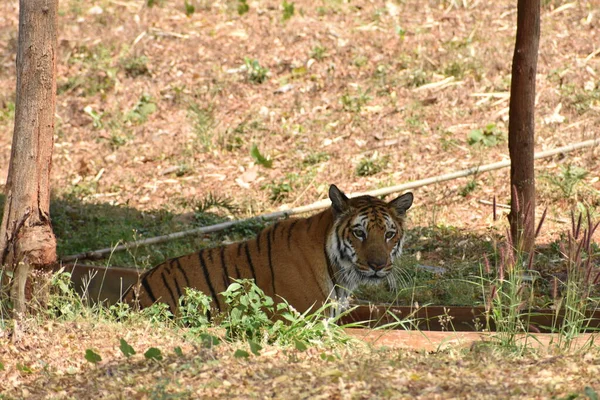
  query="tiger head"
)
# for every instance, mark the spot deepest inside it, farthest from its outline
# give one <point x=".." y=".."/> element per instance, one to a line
<point x="366" y="237"/>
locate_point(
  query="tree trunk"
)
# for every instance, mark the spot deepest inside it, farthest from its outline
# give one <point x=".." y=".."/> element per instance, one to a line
<point x="521" y="127"/>
<point x="26" y="237"/>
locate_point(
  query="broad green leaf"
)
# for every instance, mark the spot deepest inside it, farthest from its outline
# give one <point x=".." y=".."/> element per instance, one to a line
<point x="239" y="353"/>
<point x="259" y="158"/>
<point x="92" y="356"/>
<point x="300" y="345"/>
<point x="233" y="287"/>
<point x="24" y="368"/>
<point x="209" y="341"/>
<point x="1" y="366"/>
<point x="126" y="349"/>
<point x="590" y="393"/>
<point x="255" y="348"/>
<point x="153" y="354"/>
<point x="475" y="136"/>
<point x="178" y="351"/>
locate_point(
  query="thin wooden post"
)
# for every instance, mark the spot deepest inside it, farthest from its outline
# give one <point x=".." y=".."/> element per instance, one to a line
<point x="521" y="126"/>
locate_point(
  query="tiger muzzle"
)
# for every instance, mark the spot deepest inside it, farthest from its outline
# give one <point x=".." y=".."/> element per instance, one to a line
<point x="377" y="266"/>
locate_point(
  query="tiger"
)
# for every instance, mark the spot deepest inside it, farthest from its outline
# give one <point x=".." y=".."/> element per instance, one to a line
<point x="306" y="261"/>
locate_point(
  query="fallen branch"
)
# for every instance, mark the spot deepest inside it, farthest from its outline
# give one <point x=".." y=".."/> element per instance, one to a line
<point x="97" y="254"/>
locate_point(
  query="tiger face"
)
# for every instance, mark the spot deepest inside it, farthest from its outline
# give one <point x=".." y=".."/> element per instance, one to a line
<point x="366" y="238"/>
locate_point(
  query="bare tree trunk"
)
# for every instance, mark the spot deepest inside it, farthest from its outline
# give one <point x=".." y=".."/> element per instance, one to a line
<point x="521" y="127"/>
<point x="26" y="237"/>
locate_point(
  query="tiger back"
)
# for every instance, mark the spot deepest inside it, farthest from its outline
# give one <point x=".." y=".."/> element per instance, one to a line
<point x="306" y="261"/>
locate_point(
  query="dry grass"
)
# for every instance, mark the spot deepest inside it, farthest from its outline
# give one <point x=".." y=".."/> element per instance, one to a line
<point x="52" y="365"/>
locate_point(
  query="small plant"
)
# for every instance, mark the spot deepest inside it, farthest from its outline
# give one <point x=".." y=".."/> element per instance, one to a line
<point x="360" y="61"/>
<point x="135" y="66"/>
<point x="152" y="3"/>
<point x="567" y="179"/>
<point x="194" y="307"/>
<point x="203" y="121"/>
<point x="158" y="313"/>
<point x="288" y="10"/>
<point x="314" y="158"/>
<point x="189" y="8"/>
<point x="63" y="302"/>
<point x="282" y="189"/>
<point x="142" y="110"/>
<point x="204" y="209"/>
<point x="7" y="112"/>
<point x="243" y="7"/>
<point x="249" y="319"/>
<point x="95" y="115"/>
<point x="318" y="52"/>
<point x="355" y="103"/>
<point x="578" y="252"/>
<point x="468" y="188"/>
<point x="511" y="294"/>
<point x="117" y="140"/>
<point x="249" y="311"/>
<point x="416" y="78"/>
<point x="489" y="136"/>
<point x="371" y="165"/>
<point x="254" y="71"/>
<point x="455" y="69"/>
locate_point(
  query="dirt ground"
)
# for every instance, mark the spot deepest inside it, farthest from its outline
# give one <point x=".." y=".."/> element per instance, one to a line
<point x="52" y="365"/>
<point x="157" y="109"/>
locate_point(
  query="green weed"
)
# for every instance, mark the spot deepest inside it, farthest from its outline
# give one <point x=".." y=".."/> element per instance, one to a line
<point x="283" y="188"/>
<point x="249" y="311"/>
<point x="318" y="52"/>
<point x="142" y="110"/>
<point x="204" y="123"/>
<point x="243" y="7"/>
<point x="96" y="75"/>
<point x="369" y="166"/>
<point x="255" y="72"/>
<point x="580" y="99"/>
<point x="314" y="158"/>
<point x="194" y="307"/>
<point x="468" y="188"/>
<point x="135" y="66"/>
<point x="576" y="300"/>
<point x="190" y="9"/>
<point x="567" y="179"/>
<point x="288" y="10"/>
<point x="63" y="303"/>
<point x="489" y="136"/>
<point x="7" y="112"/>
<point x="355" y="103"/>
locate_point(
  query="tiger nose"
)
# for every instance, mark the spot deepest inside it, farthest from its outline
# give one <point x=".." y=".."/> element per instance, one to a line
<point x="377" y="265"/>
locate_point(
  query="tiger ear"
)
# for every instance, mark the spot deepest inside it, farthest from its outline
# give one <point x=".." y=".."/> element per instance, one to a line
<point x="339" y="201"/>
<point x="402" y="203"/>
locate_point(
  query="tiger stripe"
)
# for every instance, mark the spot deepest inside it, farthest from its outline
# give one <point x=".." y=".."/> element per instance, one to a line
<point x="213" y="293"/>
